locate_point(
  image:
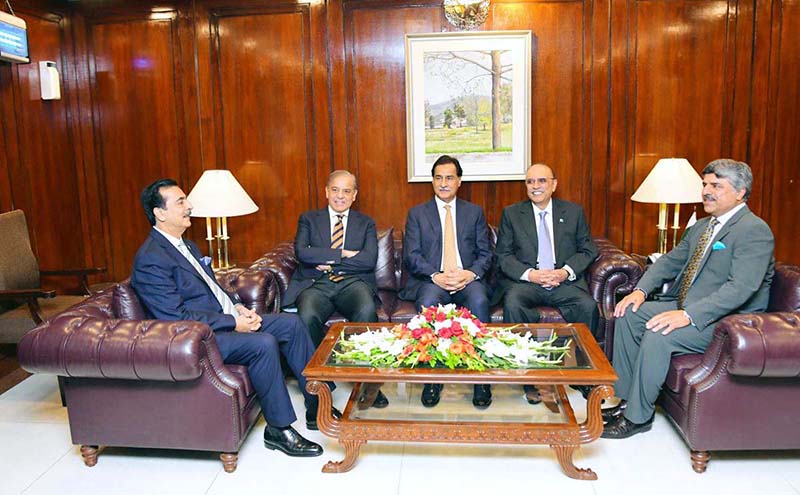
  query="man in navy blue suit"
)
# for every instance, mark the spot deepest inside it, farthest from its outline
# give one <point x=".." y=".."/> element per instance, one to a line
<point x="337" y="250"/>
<point x="174" y="284"/>
<point x="446" y="254"/>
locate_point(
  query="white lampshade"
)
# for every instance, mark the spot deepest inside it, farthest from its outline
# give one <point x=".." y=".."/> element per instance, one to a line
<point x="219" y="194"/>
<point x="672" y="180"/>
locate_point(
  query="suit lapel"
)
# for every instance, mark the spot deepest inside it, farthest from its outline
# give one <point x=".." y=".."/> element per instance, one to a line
<point x="432" y="216"/>
<point x="461" y="225"/>
<point x="323" y="227"/>
<point x="353" y="228"/>
<point x="177" y="257"/>
<point x="559" y="212"/>
<point x="721" y="235"/>
<point x="528" y="224"/>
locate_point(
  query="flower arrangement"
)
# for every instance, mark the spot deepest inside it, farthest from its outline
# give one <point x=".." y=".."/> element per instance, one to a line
<point x="449" y="336"/>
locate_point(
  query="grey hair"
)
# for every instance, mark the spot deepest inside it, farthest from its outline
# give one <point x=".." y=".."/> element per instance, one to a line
<point x="342" y="173"/>
<point x="738" y="174"/>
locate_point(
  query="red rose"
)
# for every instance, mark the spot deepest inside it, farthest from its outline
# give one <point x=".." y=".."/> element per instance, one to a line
<point x="445" y="333"/>
<point x="417" y="333"/>
<point x="440" y="317"/>
<point x="456" y="328"/>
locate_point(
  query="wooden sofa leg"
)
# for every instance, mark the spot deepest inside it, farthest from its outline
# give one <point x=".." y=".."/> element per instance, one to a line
<point x="700" y="460"/>
<point x="89" y="453"/>
<point x="229" y="461"/>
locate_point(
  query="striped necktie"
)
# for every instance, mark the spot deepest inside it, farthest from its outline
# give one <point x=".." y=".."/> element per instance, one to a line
<point x="337" y="241"/>
<point x="694" y="262"/>
<point x="224" y="300"/>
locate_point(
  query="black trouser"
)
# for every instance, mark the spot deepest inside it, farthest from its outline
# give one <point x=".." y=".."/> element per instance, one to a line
<point x="351" y="297"/>
<point x="575" y="304"/>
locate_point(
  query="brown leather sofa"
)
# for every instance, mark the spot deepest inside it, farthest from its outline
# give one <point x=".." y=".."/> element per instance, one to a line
<point x="744" y="391"/>
<point x="133" y="382"/>
<point x="613" y="273"/>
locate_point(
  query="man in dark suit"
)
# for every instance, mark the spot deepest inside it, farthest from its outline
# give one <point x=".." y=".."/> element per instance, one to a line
<point x="543" y="249"/>
<point x="723" y="265"/>
<point x="337" y="250"/>
<point x="446" y="254"/>
<point x="174" y="284"/>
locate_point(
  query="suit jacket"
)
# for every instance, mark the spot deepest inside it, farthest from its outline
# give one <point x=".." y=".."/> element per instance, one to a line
<point x="312" y="246"/>
<point x="171" y="289"/>
<point x="518" y="243"/>
<point x="422" y="243"/>
<point x="735" y="273"/>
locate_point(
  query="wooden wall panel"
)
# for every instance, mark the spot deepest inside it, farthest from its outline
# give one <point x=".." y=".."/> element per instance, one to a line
<point x="139" y="124"/>
<point x="783" y="186"/>
<point x="675" y="111"/>
<point x="264" y="98"/>
<point x="41" y="175"/>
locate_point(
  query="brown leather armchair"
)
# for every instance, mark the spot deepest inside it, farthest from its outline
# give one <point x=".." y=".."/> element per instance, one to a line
<point x="23" y="303"/>
<point x="744" y="391"/>
<point x="612" y="274"/>
<point x="132" y="382"/>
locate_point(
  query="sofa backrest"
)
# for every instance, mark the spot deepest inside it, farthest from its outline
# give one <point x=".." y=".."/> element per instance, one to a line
<point x="784" y="294"/>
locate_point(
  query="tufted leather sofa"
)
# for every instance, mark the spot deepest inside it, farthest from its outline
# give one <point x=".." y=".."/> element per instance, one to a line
<point x="744" y="391"/>
<point x="613" y="273"/>
<point x="133" y="382"/>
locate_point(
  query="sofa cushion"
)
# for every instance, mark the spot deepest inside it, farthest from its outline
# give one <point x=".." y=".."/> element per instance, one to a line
<point x="784" y="294"/>
<point x="678" y="368"/>
<point x="125" y="303"/>
<point x="18" y="267"/>
<point x="385" y="269"/>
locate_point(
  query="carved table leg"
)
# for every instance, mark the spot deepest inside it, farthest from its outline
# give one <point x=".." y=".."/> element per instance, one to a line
<point x="229" y="461"/>
<point x="593" y="426"/>
<point x="564" y="454"/>
<point x="351" y="450"/>
<point x="89" y="453"/>
<point x="700" y="460"/>
<point x="325" y="421"/>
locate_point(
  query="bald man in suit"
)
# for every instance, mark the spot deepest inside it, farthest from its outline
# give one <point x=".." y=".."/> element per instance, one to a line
<point x="723" y="265"/>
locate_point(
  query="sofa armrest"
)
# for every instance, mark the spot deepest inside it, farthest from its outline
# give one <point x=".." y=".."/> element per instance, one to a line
<point x="613" y="272"/>
<point x="763" y="345"/>
<point x="258" y="289"/>
<point x="79" y="346"/>
<point x="281" y="262"/>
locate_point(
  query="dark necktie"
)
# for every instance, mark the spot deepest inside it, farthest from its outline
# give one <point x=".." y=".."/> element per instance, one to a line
<point x="337" y="241"/>
<point x="694" y="262"/>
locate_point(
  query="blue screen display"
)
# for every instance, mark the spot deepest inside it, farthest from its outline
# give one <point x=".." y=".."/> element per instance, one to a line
<point x="13" y="40"/>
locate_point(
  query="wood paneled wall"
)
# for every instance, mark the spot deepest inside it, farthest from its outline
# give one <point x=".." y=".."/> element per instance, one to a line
<point x="281" y="93"/>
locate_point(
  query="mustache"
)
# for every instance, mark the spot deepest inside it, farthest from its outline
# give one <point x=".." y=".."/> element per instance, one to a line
<point x="709" y="197"/>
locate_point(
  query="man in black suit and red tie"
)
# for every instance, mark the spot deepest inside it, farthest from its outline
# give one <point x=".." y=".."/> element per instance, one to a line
<point x="543" y="249"/>
<point x="337" y="250"/>
<point x="446" y="254"/>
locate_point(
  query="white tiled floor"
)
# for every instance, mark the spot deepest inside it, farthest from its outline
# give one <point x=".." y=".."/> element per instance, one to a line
<point x="37" y="457"/>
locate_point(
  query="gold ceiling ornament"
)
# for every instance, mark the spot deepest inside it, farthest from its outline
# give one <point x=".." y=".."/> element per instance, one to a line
<point x="466" y="14"/>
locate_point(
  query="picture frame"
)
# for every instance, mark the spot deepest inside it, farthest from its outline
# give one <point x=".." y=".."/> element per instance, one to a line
<point x="468" y="95"/>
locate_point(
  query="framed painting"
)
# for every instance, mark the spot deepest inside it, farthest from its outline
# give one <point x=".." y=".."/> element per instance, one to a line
<point x="468" y="95"/>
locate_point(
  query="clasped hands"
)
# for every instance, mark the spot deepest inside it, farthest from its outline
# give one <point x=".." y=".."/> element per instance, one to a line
<point x="454" y="280"/>
<point x="346" y="253"/>
<point x="548" y="278"/>
<point x="664" y="322"/>
<point x="248" y="320"/>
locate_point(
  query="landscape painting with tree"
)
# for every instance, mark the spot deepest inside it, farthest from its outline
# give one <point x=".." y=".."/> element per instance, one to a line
<point x="474" y="94"/>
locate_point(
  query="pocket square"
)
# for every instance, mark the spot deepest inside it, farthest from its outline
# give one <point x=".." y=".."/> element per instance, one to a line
<point x="560" y="220"/>
<point x="206" y="260"/>
<point x="717" y="246"/>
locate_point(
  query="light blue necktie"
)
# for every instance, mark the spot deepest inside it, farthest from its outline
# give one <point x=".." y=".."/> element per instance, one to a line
<point x="228" y="307"/>
<point x="546" y="261"/>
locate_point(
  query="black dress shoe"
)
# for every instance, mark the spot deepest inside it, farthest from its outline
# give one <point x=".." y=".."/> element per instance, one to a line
<point x="291" y="443"/>
<point x="380" y="401"/>
<point x="612" y="413"/>
<point x="431" y="394"/>
<point x="624" y="428"/>
<point x="532" y="394"/>
<point x="482" y="396"/>
<point x="311" y="417"/>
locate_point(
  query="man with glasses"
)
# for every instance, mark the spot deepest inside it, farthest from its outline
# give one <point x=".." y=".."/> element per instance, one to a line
<point x="543" y="249"/>
<point x="446" y="254"/>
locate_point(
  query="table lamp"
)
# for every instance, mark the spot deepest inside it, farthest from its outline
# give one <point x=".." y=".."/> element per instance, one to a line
<point x="672" y="181"/>
<point x="219" y="195"/>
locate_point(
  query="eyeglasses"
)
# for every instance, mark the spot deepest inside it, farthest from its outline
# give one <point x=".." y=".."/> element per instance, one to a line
<point x="541" y="181"/>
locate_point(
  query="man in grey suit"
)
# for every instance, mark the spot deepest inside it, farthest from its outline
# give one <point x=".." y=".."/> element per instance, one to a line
<point x="543" y="249"/>
<point x="723" y="265"/>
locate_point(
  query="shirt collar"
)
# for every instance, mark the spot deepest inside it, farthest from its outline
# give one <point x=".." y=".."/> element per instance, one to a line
<point x="333" y="213"/>
<point x="548" y="208"/>
<point x="722" y="219"/>
<point x="441" y="204"/>
<point x="175" y="241"/>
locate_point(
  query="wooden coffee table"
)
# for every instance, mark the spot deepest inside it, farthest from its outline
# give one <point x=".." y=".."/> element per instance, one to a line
<point x="551" y="423"/>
